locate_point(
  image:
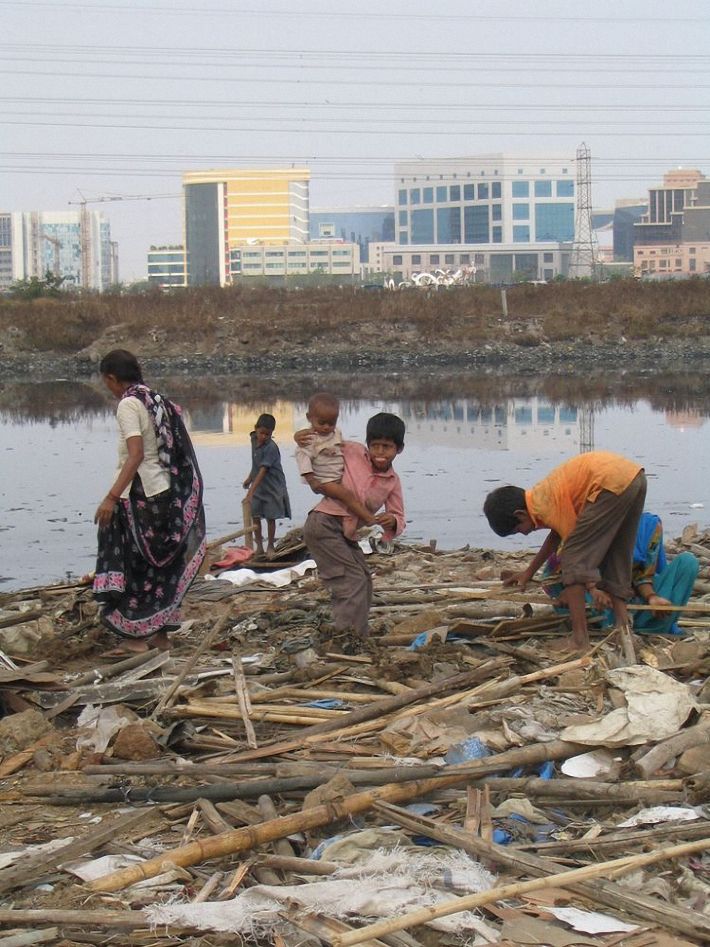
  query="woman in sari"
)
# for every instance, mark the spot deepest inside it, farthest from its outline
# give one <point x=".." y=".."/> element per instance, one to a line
<point x="151" y="522"/>
<point x="655" y="581"/>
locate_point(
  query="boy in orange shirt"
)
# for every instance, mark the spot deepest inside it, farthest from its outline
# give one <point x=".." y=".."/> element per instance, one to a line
<point x="593" y="503"/>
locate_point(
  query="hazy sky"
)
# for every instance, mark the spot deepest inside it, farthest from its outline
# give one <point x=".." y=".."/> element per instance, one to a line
<point x="118" y="97"/>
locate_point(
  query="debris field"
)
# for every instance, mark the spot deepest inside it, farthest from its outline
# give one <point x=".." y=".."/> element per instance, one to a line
<point x="454" y="779"/>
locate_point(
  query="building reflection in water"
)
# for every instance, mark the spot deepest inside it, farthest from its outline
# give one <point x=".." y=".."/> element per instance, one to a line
<point x="681" y="420"/>
<point x="514" y="424"/>
<point x="227" y="423"/>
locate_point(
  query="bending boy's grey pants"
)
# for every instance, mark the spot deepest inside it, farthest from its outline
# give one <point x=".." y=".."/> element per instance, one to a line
<point x="343" y="570"/>
<point x="600" y="548"/>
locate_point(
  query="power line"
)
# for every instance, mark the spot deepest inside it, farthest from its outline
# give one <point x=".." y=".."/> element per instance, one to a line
<point x="304" y="127"/>
<point x="681" y="68"/>
<point x="334" y="13"/>
<point x="389" y="122"/>
<point x="267" y="80"/>
<point x="318" y="54"/>
<point x="375" y="106"/>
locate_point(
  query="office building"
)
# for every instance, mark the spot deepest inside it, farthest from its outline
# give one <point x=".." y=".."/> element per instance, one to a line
<point x="509" y="216"/>
<point x="673" y="238"/>
<point x="166" y="266"/>
<point x="360" y="225"/>
<point x="226" y="209"/>
<point x="37" y="242"/>
<point x="331" y="258"/>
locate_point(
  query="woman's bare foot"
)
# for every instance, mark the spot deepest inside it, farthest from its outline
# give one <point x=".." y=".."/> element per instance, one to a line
<point x="259" y="549"/>
<point x="160" y="641"/>
<point x="270" y="552"/>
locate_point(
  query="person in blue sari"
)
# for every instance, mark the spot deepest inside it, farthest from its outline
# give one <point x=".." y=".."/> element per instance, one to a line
<point x="655" y="580"/>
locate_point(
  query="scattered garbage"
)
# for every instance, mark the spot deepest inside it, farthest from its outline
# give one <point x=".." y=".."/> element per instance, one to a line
<point x="274" y="779"/>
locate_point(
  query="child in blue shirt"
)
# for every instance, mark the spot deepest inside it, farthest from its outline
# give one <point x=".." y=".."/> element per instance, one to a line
<point x="266" y="484"/>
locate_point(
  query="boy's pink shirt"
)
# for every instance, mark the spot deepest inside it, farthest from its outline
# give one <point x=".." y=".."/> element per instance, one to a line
<point x="373" y="488"/>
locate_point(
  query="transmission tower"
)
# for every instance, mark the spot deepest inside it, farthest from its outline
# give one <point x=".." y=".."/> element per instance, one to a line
<point x="586" y="428"/>
<point x="584" y="259"/>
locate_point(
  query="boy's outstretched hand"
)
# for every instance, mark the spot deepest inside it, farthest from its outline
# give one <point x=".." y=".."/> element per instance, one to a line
<point x="386" y="521"/>
<point x="520" y="579"/>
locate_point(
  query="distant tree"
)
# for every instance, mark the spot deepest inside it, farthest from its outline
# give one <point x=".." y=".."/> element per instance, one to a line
<point x="36" y="288"/>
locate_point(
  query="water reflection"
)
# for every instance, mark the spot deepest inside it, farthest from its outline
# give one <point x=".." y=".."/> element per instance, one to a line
<point x="59" y="402"/>
<point x="531" y="423"/>
<point x="466" y="433"/>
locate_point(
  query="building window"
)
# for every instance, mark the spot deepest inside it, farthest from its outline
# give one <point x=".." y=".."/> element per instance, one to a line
<point x="483" y="192"/>
<point x="692" y="265"/>
<point x="422" y="226"/>
<point x="521" y="212"/>
<point x="475" y="224"/>
<point x="448" y="259"/>
<point x="496" y="211"/>
<point x="397" y="259"/>
<point x="554" y="222"/>
<point x="521" y="234"/>
<point x="433" y="259"/>
<point x="678" y="262"/>
<point x="441" y="194"/>
<point x="469" y="192"/>
<point x="402" y="197"/>
<point x="497" y="234"/>
<point x="428" y="195"/>
<point x="416" y="259"/>
<point x="520" y="170"/>
<point x="414" y="195"/>
<point x="455" y="192"/>
<point x="403" y="238"/>
<point x="479" y="259"/>
<point x="496" y="190"/>
<point x="548" y="274"/>
<point x="564" y="188"/>
<point x="543" y="188"/>
<point x="543" y="171"/>
<point x="448" y="224"/>
<point x="465" y="258"/>
<point x="547" y="257"/>
<point x="403" y="218"/>
<point x="521" y="189"/>
<point x="691" y="249"/>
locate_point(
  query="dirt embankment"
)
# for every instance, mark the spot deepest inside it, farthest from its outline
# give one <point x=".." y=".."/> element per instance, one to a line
<point x="213" y="330"/>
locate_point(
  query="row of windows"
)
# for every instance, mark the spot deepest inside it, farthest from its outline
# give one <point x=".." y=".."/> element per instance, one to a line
<point x="291" y="254"/>
<point x="553" y="223"/>
<point x="450" y="259"/>
<point x="482" y="192"/>
<point x="296" y="265"/>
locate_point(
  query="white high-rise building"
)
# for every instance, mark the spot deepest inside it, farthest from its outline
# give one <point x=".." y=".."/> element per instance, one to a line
<point x="506" y="215"/>
<point x="33" y="243"/>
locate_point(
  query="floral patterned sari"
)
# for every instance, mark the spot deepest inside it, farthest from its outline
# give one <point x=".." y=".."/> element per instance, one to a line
<point x="154" y="546"/>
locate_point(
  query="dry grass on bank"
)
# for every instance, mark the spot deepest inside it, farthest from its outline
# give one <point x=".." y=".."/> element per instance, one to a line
<point x="255" y="321"/>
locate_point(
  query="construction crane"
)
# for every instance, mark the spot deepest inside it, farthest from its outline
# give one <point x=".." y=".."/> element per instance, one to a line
<point x="85" y="253"/>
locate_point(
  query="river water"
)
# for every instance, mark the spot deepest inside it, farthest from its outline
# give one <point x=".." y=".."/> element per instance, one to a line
<point x="466" y="434"/>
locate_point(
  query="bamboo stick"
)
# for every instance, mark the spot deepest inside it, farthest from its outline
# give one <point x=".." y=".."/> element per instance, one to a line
<point x="615" y="897"/>
<point x="663" y="752"/>
<point x="615" y="867"/>
<point x="240" y="687"/>
<point x="373" y="710"/>
<point x="248" y="524"/>
<point x="246" y="838"/>
<point x="122" y="920"/>
<point x="171" y="692"/>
